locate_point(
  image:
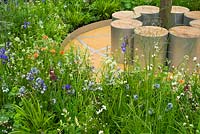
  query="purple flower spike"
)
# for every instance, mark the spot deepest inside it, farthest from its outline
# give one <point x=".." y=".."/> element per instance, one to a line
<point x="123" y="47"/>
<point x="124" y="44"/>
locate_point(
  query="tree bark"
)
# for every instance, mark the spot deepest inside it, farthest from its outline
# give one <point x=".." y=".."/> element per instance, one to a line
<point x="165" y="10"/>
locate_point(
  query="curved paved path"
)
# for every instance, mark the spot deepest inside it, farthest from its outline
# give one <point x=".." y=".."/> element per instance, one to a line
<point x="97" y="41"/>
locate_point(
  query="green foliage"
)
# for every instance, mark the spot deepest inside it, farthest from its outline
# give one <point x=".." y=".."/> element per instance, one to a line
<point x="76" y="18"/>
<point x="104" y="9"/>
<point x="6" y="117"/>
<point x="31" y="118"/>
<point x="191" y="4"/>
<point x="55" y="19"/>
<point x="129" y="4"/>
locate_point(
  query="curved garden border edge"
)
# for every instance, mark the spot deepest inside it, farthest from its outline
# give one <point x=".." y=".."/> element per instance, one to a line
<point x="85" y="29"/>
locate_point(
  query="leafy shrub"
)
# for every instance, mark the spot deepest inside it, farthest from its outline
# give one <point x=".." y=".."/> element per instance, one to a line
<point x="104" y="9"/>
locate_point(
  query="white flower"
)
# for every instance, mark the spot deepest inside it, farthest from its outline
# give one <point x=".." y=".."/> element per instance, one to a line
<point x="149" y="68"/>
<point x="99" y="88"/>
<point x="178" y="97"/>
<point x="191" y="125"/>
<point x="174" y="83"/>
<point x="5" y="89"/>
<point x="101" y="110"/>
<point x="153" y="55"/>
<point x="182" y="94"/>
<point x="76" y="121"/>
<point x="184" y="124"/>
<point x="104" y="107"/>
<point x="54" y="101"/>
<point x="156" y="47"/>
<point x="186" y="116"/>
<point x="195" y="59"/>
<point x="84" y="89"/>
<point x="41" y="24"/>
<point x="101" y="132"/>
<point x="4" y="131"/>
<point x="17" y="39"/>
<point x="23" y="76"/>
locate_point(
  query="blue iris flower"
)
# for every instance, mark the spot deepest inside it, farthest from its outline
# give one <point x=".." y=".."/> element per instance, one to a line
<point x="157" y="86"/>
<point x="169" y="107"/>
<point x="29" y="76"/>
<point x="39" y="81"/>
<point x="34" y="70"/>
<point x="3" y="56"/>
<point x="26" y="24"/>
<point x="135" y="97"/>
<point x="39" y="84"/>
<point x="22" y="90"/>
<point x="2" y="51"/>
<point x="67" y="87"/>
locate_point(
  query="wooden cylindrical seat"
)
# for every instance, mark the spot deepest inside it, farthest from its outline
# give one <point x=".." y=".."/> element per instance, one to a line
<point x="184" y="43"/>
<point x="121" y="29"/>
<point x="195" y="23"/>
<point x="177" y="15"/>
<point x="126" y="15"/>
<point x="192" y="15"/>
<point x="150" y="45"/>
<point x="150" y="15"/>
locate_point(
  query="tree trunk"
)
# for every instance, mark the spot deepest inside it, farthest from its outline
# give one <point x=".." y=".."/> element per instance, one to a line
<point x="165" y="10"/>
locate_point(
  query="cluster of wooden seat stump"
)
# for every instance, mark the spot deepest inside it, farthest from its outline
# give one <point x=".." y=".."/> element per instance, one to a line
<point x="151" y="43"/>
